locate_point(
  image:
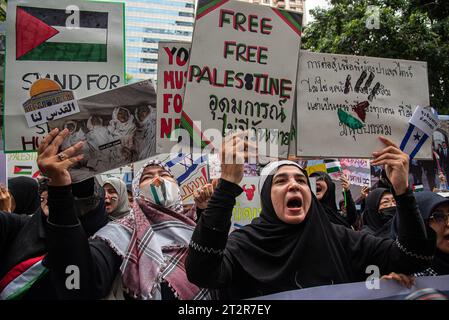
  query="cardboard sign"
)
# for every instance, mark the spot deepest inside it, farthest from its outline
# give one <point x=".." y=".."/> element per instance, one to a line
<point x="345" y="102"/>
<point x="247" y="205"/>
<point x="22" y="164"/>
<point x="118" y="128"/>
<point x="191" y="172"/>
<point x="78" y="44"/>
<point x="173" y="60"/>
<point x="242" y="74"/>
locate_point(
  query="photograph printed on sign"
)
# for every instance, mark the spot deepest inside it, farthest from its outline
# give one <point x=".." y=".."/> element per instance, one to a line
<point x="118" y="127"/>
<point x="81" y="50"/>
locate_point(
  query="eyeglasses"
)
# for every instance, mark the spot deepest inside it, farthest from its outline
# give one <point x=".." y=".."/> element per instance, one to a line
<point x="440" y="217"/>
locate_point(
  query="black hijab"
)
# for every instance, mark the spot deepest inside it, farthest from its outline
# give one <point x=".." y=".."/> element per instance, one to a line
<point x="25" y="191"/>
<point x="283" y="256"/>
<point x="427" y="203"/>
<point x="373" y="221"/>
<point x="328" y="200"/>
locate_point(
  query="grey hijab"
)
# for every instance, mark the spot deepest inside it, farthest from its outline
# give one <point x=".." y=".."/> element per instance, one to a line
<point x="123" y="204"/>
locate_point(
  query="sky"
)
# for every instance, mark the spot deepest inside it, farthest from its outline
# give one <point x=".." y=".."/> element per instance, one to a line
<point x="311" y="4"/>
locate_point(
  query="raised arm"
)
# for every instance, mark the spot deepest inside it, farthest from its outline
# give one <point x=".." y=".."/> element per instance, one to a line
<point x="413" y="249"/>
<point x="69" y="251"/>
<point x="208" y="264"/>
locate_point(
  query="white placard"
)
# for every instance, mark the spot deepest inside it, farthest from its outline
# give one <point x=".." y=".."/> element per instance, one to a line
<point x="425" y="120"/>
<point x="242" y="73"/>
<point x="54" y="112"/>
<point x="79" y="44"/>
<point x="345" y="102"/>
<point x="173" y="60"/>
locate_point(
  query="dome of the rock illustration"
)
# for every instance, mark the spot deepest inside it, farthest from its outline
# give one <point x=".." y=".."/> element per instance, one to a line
<point x="44" y="86"/>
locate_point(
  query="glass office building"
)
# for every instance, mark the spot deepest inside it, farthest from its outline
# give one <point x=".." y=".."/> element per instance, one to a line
<point x="147" y="23"/>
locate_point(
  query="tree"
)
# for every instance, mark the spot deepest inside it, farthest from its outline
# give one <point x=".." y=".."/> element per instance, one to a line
<point x="409" y="29"/>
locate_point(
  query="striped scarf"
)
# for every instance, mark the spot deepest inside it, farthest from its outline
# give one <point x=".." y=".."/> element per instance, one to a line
<point x="153" y="242"/>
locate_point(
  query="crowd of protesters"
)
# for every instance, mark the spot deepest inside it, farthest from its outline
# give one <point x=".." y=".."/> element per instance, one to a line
<point x="140" y="241"/>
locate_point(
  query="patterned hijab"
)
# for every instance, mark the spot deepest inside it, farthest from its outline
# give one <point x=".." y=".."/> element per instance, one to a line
<point x="153" y="243"/>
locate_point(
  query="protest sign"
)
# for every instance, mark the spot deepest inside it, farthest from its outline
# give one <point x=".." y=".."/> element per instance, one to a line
<point x="48" y="102"/>
<point x="345" y="102"/>
<point x="191" y="172"/>
<point x="421" y="126"/>
<point x="386" y="290"/>
<point x="78" y="44"/>
<point x="22" y="164"/>
<point x="242" y="74"/>
<point x="247" y="205"/>
<point x="3" y="169"/>
<point x="173" y="58"/>
<point x="118" y="128"/>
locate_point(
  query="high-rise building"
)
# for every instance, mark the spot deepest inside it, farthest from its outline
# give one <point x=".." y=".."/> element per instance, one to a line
<point x="147" y="23"/>
<point x="295" y="5"/>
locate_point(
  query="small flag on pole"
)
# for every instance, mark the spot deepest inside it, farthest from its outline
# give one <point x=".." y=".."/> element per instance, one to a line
<point x="422" y="124"/>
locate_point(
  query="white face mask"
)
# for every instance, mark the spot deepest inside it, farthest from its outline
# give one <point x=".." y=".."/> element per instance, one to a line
<point x="161" y="192"/>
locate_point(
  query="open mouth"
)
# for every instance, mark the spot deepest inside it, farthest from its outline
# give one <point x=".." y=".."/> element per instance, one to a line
<point x="318" y="188"/>
<point x="446" y="237"/>
<point x="294" y="203"/>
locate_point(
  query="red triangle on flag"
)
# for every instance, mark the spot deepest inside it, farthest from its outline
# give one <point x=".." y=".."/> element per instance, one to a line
<point x="30" y="32"/>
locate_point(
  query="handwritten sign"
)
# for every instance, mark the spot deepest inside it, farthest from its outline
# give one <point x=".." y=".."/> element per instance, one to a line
<point x="425" y="119"/>
<point x="79" y="44"/>
<point x="190" y="171"/>
<point x="345" y="102"/>
<point x="247" y="205"/>
<point x="242" y="73"/>
<point x="54" y="112"/>
<point x="173" y="58"/>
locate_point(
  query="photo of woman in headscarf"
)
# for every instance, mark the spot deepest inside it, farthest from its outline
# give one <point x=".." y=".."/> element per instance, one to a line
<point x="145" y="134"/>
<point x="75" y="134"/>
<point x="122" y="127"/>
<point x="97" y="136"/>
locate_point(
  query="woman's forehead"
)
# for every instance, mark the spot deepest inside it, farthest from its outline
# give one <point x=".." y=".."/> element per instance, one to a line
<point x="289" y="169"/>
<point x="154" y="168"/>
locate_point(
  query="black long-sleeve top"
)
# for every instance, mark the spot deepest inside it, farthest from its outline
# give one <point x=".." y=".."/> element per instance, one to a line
<point x="68" y="244"/>
<point x="208" y="269"/>
<point x="24" y="237"/>
<point x="351" y="210"/>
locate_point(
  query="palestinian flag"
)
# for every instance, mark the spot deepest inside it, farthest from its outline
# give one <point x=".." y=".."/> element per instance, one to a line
<point x="418" y="188"/>
<point x="333" y="167"/>
<point x="23" y="170"/>
<point x="195" y="133"/>
<point x="44" y="34"/>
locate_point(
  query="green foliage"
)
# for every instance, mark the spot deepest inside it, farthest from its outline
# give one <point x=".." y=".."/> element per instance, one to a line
<point x="409" y="29"/>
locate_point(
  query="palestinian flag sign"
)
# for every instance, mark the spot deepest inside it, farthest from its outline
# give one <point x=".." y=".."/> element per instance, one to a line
<point x="23" y="170"/>
<point x="44" y="34"/>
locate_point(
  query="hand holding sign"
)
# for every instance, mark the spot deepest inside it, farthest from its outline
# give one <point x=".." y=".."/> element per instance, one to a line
<point x="236" y="149"/>
<point x="55" y="165"/>
<point x="396" y="165"/>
